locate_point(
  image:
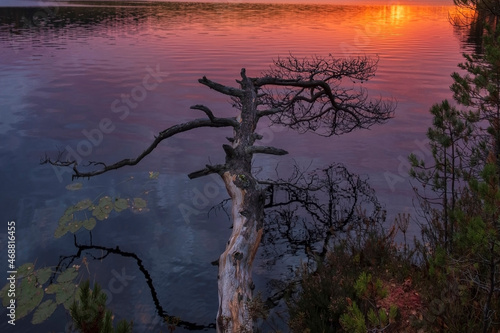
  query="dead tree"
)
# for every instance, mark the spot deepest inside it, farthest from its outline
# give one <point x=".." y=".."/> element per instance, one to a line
<point x="319" y="94"/>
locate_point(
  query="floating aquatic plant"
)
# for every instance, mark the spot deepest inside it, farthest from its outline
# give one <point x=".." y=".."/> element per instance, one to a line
<point x="74" y="186"/>
<point x="44" y="311"/>
<point x="33" y="285"/>
<point x="86" y="214"/>
<point x="154" y="174"/>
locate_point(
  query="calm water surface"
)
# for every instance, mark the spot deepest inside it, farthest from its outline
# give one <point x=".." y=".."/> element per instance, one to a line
<point x="65" y="70"/>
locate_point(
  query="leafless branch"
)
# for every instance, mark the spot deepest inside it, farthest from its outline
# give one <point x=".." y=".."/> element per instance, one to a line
<point x="209" y="169"/>
<point x="266" y="150"/>
<point x="310" y="94"/>
<point x="169" y="132"/>
<point x="205" y="109"/>
<point x="221" y="88"/>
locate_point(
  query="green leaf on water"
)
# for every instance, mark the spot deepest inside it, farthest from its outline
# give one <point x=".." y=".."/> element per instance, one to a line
<point x="120" y="204"/>
<point x="153" y="174"/>
<point x="66" y="294"/>
<point x="61" y="231"/>
<point x="84" y="204"/>
<point x="90" y="223"/>
<point x="52" y="289"/>
<point x="74" y="217"/>
<point x="4" y="294"/>
<point x="74" y="186"/>
<point x="106" y="204"/>
<point x="140" y="203"/>
<point x="44" y="311"/>
<point x="68" y="275"/>
<point x="99" y="213"/>
<point x="66" y="218"/>
<point x="70" y="210"/>
<point x="74" y="226"/>
<point x="25" y="270"/>
<point x="28" y="297"/>
<point x="43" y="274"/>
<point x="102" y="210"/>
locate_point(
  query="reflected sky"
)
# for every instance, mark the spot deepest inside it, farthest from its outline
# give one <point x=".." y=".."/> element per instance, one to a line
<point x="335" y="2"/>
<point x="63" y="69"/>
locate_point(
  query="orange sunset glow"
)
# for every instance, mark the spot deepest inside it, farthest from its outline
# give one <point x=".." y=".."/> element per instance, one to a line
<point x="358" y="30"/>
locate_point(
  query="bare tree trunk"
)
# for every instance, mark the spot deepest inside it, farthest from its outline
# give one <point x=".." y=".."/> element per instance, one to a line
<point x="235" y="264"/>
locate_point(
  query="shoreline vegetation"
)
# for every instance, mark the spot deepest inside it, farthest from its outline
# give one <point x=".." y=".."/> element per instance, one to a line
<point x="449" y="280"/>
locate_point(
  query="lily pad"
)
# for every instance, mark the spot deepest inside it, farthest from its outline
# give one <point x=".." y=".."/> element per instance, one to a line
<point x="74" y="187"/>
<point x="102" y="210"/>
<point x="84" y="204"/>
<point x="70" y="210"/>
<point x="106" y="204"/>
<point x="44" y="311"/>
<point x="90" y="223"/>
<point x="68" y="275"/>
<point x="28" y="297"/>
<point x="25" y="270"/>
<point x="140" y="203"/>
<point x="43" y="275"/>
<point x="99" y="213"/>
<point x="120" y="204"/>
<point x="66" y="218"/>
<point x="66" y="294"/>
<point x="61" y="231"/>
<point x="4" y="295"/>
<point x="75" y="226"/>
<point x="52" y="289"/>
<point x="64" y="291"/>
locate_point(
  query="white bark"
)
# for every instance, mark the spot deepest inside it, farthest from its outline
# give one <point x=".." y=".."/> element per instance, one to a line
<point x="235" y="264"/>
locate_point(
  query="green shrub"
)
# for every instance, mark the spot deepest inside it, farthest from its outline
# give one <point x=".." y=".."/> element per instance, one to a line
<point x="90" y="314"/>
<point x="342" y="293"/>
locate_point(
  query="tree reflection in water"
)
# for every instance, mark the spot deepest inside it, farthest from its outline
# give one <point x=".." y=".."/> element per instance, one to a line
<point x="471" y="19"/>
<point x="307" y="214"/>
<point x="310" y="211"/>
<point x="67" y="261"/>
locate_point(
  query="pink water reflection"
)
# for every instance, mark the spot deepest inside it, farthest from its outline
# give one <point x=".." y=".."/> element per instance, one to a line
<point x="70" y="76"/>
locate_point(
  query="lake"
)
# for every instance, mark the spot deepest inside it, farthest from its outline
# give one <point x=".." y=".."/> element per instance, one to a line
<point x="73" y="78"/>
